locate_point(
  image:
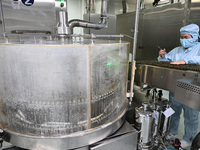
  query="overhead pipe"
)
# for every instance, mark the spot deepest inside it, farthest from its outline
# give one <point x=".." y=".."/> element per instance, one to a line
<point x="85" y="24"/>
<point x="186" y="12"/>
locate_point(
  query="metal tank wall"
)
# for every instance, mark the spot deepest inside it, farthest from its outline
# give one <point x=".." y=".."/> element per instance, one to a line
<point x="108" y="80"/>
<point x="158" y="26"/>
<point x="52" y="90"/>
<point x="57" y="92"/>
<point x="37" y="89"/>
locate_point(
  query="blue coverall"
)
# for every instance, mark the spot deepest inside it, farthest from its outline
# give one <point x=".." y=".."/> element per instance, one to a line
<point x="191" y="116"/>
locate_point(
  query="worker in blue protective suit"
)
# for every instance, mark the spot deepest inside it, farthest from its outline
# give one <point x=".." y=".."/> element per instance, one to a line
<point x="188" y="53"/>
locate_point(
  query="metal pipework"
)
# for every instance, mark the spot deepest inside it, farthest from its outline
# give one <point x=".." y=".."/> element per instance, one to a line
<point x="63" y="28"/>
<point x="165" y="121"/>
<point x="134" y="49"/>
<point x="94" y="36"/>
<point x="90" y="5"/>
<point x="85" y="24"/>
<point x="3" y="23"/>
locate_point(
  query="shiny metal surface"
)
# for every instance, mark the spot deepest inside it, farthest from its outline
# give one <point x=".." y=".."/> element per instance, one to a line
<point x="135" y="38"/>
<point x="164" y="78"/>
<point x="50" y="16"/>
<point x="62" y="94"/>
<point x="157" y="116"/>
<point x="40" y="16"/>
<point x="146" y="120"/>
<point x="165" y="121"/>
<point x="125" y="138"/>
<point x="70" y="141"/>
<point x="110" y="28"/>
<point x="140" y="96"/>
<point x="63" y="27"/>
<point x="184" y="83"/>
<point x="188" y="92"/>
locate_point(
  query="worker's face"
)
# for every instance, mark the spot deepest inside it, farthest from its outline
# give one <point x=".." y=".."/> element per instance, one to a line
<point x="186" y="36"/>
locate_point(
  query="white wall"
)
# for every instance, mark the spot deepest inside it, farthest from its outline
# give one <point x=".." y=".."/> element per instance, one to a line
<point x="115" y="7"/>
<point x="76" y="9"/>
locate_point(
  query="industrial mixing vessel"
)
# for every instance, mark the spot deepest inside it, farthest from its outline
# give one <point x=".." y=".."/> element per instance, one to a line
<point x="59" y="95"/>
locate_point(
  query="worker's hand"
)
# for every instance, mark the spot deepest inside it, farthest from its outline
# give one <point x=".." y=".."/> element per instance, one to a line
<point x="162" y="52"/>
<point x="181" y="62"/>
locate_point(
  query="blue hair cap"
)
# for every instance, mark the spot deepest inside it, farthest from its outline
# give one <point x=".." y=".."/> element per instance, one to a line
<point x="192" y="29"/>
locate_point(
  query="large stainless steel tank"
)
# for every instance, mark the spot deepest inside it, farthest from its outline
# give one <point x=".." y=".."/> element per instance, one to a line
<point x="62" y="96"/>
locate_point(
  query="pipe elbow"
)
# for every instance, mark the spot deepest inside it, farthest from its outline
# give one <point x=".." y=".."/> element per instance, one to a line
<point x="102" y="23"/>
<point x="86" y="24"/>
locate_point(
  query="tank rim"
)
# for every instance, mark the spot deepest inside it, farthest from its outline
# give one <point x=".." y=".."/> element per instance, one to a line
<point x="71" y="141"/>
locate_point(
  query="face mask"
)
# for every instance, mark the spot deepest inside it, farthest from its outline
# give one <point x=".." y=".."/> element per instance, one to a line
<point x="186" y="43"/>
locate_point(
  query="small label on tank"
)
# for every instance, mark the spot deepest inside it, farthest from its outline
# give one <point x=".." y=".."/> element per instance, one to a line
<point x="168" y="112"/>
<point x="128" y="94"/>
<point x="28" y="2"/>
<point x="16" y="4"/>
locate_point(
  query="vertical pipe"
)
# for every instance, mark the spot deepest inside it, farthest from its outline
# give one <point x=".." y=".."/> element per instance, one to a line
<point x="104" y="6"/>
<point x="62" y="27"/>
<point x="134" y="48"/>
<point x="86" y="5"/>
<point x="186" y="12"/>
<point x="94" y="5"/>
<point x="85" y="24"/>
<point x="89" y="92"/>
<point x="89" y="19"/>
<point x="3" y="22"/>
